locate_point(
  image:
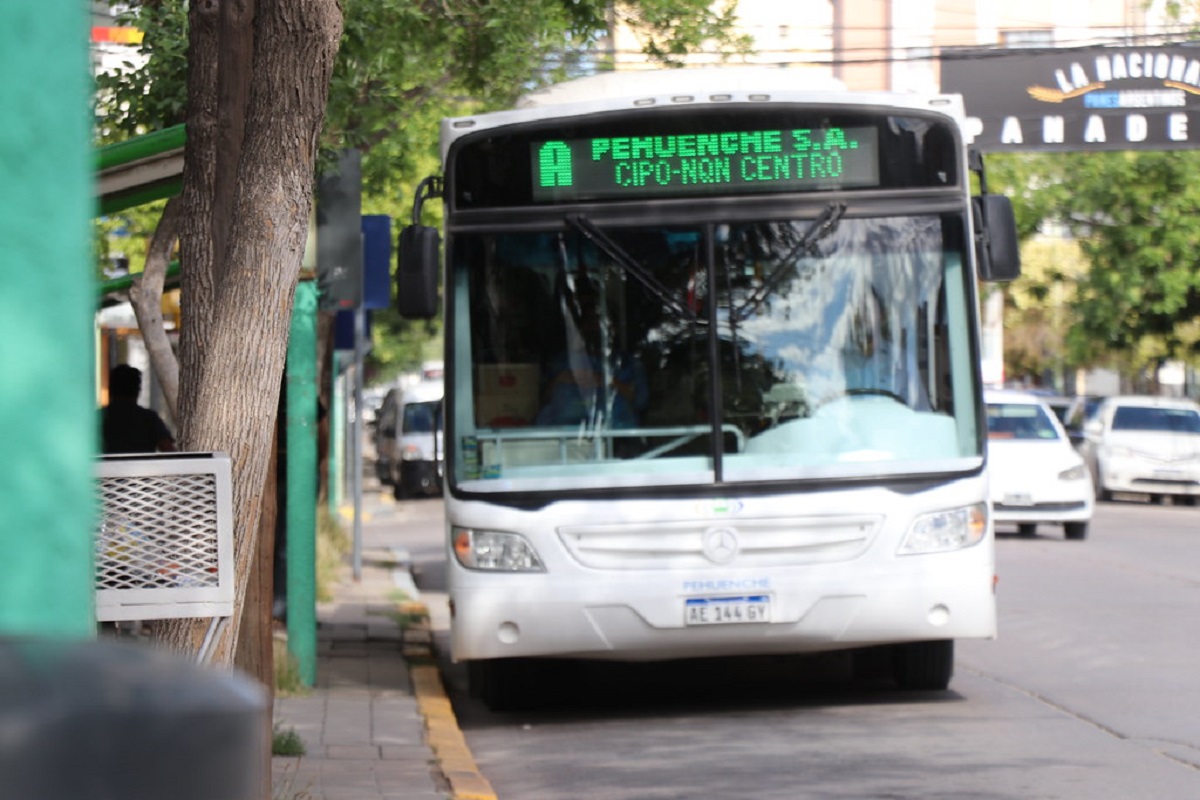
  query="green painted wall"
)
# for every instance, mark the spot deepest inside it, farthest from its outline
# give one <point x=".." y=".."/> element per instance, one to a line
<point x="48" y="417"/>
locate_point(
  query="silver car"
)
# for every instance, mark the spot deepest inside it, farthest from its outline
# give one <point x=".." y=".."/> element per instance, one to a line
<point x="1145" y="445"/>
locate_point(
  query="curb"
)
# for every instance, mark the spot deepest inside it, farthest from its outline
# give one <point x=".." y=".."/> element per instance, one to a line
<point x="442" y="733"/>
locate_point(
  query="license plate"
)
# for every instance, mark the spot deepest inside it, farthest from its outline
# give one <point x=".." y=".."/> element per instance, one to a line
<point x="727" y="610"/>
<point x="1018" y="499"/>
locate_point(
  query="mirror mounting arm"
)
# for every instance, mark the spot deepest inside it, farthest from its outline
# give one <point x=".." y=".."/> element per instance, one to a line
<point x="418" y="259"/>
<point x="428" y="189"/>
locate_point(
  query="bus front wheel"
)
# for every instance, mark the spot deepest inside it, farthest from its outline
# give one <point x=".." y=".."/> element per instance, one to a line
<point x="923" y="666"/>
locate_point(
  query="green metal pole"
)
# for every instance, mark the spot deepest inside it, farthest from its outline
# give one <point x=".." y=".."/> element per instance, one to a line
<point x="302" y="483"/>
<point x="48" y="396"/>
<point x="337" y="438"/>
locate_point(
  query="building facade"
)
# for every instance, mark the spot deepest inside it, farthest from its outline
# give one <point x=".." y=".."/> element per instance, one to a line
<point x="894" y="45"/>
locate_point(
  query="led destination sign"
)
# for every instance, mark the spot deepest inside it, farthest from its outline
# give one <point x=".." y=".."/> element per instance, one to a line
<point x="612" y="167"/>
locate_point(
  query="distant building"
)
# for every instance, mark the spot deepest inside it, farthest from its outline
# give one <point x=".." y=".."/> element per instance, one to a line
<point x="893" y="45"/>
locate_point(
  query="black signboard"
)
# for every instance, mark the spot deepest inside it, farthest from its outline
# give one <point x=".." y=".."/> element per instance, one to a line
<point x="1095" y="98"/>
<point x="612" y="167"/>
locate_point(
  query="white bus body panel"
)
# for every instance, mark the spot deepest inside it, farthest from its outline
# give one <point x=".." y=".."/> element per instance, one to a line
<point x="678" y="88"/>
<point x="817" y="602"/>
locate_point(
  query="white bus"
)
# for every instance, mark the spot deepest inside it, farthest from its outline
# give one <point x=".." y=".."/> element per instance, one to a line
<point x="712" y="375"/>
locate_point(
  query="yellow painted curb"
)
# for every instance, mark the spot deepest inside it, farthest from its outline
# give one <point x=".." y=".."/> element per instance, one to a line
<point x="445" y="737"/>
<point x="346" y="512"/>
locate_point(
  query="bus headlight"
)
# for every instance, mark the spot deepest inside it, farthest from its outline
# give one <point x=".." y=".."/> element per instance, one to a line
<point x="944" y="531"/>
<point x="494" y="550"/>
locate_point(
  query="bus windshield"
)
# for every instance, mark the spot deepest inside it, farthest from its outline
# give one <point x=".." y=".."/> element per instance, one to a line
<point x="594" y="357"/>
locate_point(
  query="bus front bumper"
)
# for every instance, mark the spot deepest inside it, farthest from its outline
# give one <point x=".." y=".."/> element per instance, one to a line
<point x="619" y="623"/>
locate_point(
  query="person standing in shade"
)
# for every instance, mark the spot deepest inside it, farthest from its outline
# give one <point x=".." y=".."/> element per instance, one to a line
<point x="126" y="426"/>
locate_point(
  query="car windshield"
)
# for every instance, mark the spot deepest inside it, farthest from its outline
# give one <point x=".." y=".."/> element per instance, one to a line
<point x="1019" y="421"/>
<point x="1146" y="418"/>
<point x="419" y="417"/>
<point x="659" y="355"/>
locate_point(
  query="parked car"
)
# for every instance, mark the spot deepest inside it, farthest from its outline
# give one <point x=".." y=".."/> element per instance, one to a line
<point x="1036" y="476"/>
<point x="384" y="435"/>
<point x="1145" y="445"/>
<point x="409" y="440"/>
<point x="1082" y="408"/>
<point x="1060" y="404"/>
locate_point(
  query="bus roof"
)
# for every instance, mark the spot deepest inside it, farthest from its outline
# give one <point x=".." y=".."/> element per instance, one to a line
<point x="624" y="84"/>
<point x="613" y="91"/>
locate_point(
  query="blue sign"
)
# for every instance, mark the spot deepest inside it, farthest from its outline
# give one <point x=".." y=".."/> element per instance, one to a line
<point x="377" y="259"/>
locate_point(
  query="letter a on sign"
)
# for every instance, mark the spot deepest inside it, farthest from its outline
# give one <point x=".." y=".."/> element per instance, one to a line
<point x="554" y="165"/>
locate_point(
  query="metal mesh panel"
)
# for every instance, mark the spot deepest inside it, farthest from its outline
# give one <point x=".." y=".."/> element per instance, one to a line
<point x="164" y="542"/>
<point x="157" y="531"/>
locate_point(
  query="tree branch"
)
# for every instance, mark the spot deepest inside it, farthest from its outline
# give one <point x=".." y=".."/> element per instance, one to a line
<point x="146" y="294"/>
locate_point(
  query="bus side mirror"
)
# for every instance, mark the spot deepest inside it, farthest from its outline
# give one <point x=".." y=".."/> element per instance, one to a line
<point x="997" y="250"/>
<point x="417" y="272"/>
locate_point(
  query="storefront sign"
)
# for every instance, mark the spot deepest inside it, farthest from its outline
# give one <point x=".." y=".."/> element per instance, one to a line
<point x="1098" y="98"/>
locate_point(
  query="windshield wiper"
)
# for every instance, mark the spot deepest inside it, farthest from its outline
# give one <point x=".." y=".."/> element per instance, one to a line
<point x="628" y="263"/>
<point x="821" y="227"/>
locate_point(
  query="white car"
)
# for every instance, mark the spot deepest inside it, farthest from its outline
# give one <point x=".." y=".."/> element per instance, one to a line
<point x="1147" y="445"/>
<point x="415" y="461"/>
<point x="1035" y="474"/>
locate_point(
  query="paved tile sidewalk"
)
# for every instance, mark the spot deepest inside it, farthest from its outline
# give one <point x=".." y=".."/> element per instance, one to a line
<point x="364" y="726"/>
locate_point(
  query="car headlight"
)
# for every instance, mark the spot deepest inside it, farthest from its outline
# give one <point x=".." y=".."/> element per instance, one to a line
<point x="943" y="531"/>
<point x="1116" y="451"/>
<point x="1075" y="473"/>
<point x="495" y="551"/>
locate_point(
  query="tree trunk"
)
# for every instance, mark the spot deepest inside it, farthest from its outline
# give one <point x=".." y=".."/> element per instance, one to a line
<point x="255" y="654"/>
<point x="241" y="259"/>
<point x="147" y="295"/>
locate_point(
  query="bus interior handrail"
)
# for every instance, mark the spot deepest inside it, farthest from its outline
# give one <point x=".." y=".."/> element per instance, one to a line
<point x="682" y="433"/>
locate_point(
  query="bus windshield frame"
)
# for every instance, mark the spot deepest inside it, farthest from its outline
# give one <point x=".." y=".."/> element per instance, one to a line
<point x="801" y="294"/>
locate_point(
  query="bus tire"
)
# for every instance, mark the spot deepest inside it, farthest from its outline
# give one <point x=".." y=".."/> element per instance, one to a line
<point x="923" y="666"/>
<point x="1075" y="530"/>
<point x="1027" y="529"/>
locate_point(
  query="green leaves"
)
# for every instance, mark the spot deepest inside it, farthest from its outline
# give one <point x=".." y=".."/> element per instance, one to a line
<point x="149" y="91"/>
<point x="1135" y="217"/>
<point x="1142" y="245"/>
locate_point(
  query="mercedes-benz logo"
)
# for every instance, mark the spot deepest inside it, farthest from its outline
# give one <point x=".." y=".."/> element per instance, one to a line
<point x="720" y="545"/>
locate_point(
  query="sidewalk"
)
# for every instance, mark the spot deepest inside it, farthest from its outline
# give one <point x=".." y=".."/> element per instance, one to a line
<point x="377" y="725"/>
